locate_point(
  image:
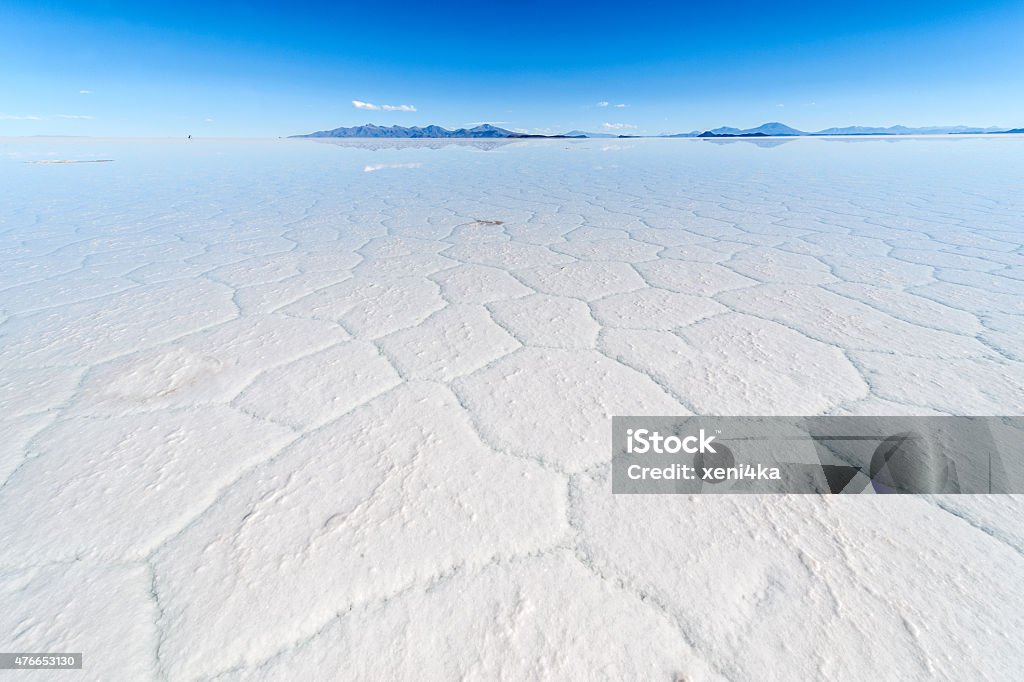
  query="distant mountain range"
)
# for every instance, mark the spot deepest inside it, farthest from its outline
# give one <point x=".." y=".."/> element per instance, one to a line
<point x="370" y="130"/>
<point x="903" y="130"/>
<point x="776" y="129"/>
<point x="773" y="129"/>
<point x="582" y="133"/>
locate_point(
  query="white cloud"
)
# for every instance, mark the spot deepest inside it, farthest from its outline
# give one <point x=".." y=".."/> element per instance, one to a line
<point x="85" y="92"/>
<point x="382" y="107"/>
<point x="621" y="106"/>
<point x="537" y="131"/>
<point x="601" y="104"/>
<point x="617" y="126"/>
<point x="209" y="120"/>
<point x="14" y="117"/>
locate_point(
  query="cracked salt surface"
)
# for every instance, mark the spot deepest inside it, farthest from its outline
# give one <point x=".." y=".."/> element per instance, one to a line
<point x="268" y="416"/>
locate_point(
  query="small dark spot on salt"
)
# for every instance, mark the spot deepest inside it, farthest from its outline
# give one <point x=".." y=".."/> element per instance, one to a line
<point x="489" y="222"/>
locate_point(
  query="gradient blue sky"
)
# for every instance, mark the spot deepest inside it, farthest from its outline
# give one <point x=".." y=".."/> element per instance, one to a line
<point x="265" y="69"/>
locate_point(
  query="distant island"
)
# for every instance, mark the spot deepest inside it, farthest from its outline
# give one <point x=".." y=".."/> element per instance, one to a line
<point x="773" y="129"/>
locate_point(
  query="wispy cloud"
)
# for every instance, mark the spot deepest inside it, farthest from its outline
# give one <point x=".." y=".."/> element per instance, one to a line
<point x="15" y="117"/>
<point x="373" y="167"/>
<point x="621" y="106"/>
<point x="618" y="126"/>
<point x="85" y="92"/>
<point x="601" y="104"/>
<point x="535" y="131"/>
<point x="382" y="107"/>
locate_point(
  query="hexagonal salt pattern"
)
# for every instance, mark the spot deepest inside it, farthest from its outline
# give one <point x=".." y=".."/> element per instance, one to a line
<point x="267" y="415"/>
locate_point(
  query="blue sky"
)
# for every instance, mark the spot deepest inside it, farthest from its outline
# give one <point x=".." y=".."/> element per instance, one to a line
<point x="267" y="69"/>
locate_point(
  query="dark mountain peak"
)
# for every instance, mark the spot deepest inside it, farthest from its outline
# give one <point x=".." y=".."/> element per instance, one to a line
<point x="712" y="133"/>
<point x="484" y="130"/>
<point x="772" y="129"/>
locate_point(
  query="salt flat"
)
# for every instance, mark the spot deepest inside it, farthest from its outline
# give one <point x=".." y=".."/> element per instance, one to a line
<point x="290" y="409"/>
